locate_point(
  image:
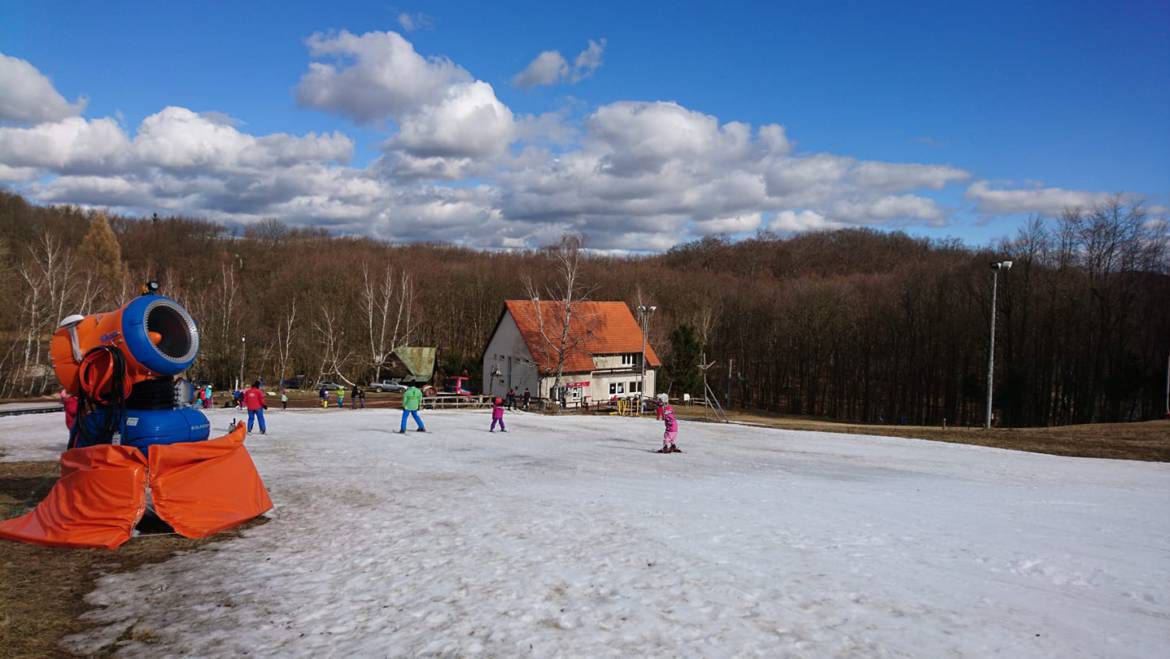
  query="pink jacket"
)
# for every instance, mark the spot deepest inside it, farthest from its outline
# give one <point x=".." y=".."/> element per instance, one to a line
<point x="668" y="417"/>
<point x="497" y="409"/>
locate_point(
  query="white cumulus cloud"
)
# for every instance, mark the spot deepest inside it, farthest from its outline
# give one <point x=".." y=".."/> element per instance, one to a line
<point x="71" y="145"/>
<point x="378" y="75"/>
<point x="1044" y="201"/>
<point x="457" y="165"/>
<point x="550" y="67"/>
<point x="790" y="221"/>
<point x="588" y="60"/>
<point x="27" y="96"/>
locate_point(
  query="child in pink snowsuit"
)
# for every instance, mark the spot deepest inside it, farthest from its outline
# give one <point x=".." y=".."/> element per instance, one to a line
<point x="671" y="433"/>
<point x="498" y="415"/>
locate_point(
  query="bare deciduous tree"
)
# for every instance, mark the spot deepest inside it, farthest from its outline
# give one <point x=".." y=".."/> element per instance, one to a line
<point x="48" y="277"/>
<point x="567" y="291"/>
<point x="388" y="314"/>
<point x="284" y="331"/>
<point x="332" y="339"/>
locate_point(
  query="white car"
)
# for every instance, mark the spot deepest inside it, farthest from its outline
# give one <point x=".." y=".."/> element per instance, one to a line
<point x="391" y="386"/>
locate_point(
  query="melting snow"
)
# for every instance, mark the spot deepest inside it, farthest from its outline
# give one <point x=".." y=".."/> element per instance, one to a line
<point x="568" y="536"/>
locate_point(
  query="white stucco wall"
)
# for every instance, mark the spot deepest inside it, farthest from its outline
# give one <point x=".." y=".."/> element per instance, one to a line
<point x="508" y="353"/>
<point x="598" y="389"/>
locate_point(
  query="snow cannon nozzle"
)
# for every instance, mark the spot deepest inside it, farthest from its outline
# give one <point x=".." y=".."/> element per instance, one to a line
<point x="155" y="335"/>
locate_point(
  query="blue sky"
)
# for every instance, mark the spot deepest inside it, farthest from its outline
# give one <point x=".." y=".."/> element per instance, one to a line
<point x="1068" y="98"/>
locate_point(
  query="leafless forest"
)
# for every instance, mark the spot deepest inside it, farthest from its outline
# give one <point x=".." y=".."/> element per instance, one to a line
<point x="854" y="325"/>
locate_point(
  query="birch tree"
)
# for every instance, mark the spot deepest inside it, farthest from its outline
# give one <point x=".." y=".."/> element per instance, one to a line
<point x="388" y="309"/>
<point x="331" y="335"/>
<point x="284" y="331"/>
<point x="48" y="277"/>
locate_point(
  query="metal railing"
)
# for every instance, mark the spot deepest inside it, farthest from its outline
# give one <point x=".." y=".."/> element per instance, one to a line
<point x="455" y="401"/>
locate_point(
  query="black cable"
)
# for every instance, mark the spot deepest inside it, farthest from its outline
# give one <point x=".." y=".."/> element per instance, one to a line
<point x="114" y="404"/>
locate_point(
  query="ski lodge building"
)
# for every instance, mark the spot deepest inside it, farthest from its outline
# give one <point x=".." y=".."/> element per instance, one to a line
<point x="603" y="358"/>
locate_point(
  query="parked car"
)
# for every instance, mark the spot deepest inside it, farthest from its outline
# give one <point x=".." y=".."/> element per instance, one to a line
<point x="295" y="382"/>
<point x="329" y="386"/>
<point x="391" y="386"/>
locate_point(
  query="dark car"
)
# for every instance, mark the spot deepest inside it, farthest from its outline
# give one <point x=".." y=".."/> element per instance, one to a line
<point x="391" y="386"/>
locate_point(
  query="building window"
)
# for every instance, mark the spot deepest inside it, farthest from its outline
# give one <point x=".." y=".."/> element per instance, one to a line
<point x="612" y="388"/>
<point x="634" y="387"/>
<point x="620" y="388"/>
<point x="631" y="359"/>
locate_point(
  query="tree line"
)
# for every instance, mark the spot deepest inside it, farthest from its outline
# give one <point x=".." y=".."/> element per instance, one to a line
<point x="853" y="325"/>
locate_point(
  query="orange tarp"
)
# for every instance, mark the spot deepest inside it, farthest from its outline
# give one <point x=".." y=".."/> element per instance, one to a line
<point x="202" y="488"/>
<point x="199" y="488"/>
<point x="97" y="501"/>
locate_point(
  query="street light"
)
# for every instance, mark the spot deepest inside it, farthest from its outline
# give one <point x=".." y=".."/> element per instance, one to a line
<point x="995" y="268"/>
<point x="644" y="313"/>
<point x="243" y="351"/>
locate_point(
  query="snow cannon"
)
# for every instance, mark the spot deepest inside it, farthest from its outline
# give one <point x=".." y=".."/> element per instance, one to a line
<point x="149" y="338"/>
<point x="122" y="366"/>
<point x="136" y="443"/>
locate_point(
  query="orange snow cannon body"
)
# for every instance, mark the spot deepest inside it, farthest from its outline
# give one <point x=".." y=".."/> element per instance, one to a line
<point x="153" y="335"/>
<point x="132" y="437"/>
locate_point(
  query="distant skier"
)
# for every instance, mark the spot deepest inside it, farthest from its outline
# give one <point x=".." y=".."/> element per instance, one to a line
<point x="283" y="399"/>
<point x="254" y="400"/>
<point x="358" y="395"/>
<point x="527" y="398"/>
<point x="411" y="399"/>
<point x="208" y="398"/>
<point x="341" y="398"/>
<point x="324" y="395"/>
<point x="671" y="434"/>
<point x="498" y="415"/>
<point x="510" y="399"/>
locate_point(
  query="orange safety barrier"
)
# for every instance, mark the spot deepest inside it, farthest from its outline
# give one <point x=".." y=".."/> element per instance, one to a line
<point x="202" y="488"/>
<point x="199" y="488"/>
<point x="97" y="501"/>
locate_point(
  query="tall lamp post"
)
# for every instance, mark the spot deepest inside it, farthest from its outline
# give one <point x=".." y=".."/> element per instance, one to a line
<point x="995" y="268"/>
<point x="243" y="351"/>
<point x="644" y="313"/>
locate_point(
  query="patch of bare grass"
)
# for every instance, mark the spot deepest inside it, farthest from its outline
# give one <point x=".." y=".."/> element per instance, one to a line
<point x="1145" y="440"/>
<point x="42" y="589"/>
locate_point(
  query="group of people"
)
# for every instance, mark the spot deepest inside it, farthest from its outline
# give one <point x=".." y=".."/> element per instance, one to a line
<point x="357" y="397"/>
<point x="663" y="411"/>
<point x="514" y="400"/>
<point x="203" y="396"/>
<point x="255" y="402"/>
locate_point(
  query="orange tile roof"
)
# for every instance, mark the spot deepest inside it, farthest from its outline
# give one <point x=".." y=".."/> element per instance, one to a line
<point x="596" y="328"/>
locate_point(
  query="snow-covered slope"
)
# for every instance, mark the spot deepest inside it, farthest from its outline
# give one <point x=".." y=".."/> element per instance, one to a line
<point x="568" y="536"/>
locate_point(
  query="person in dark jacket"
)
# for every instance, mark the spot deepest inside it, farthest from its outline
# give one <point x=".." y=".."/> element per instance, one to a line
<point x="527" y="398"/>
